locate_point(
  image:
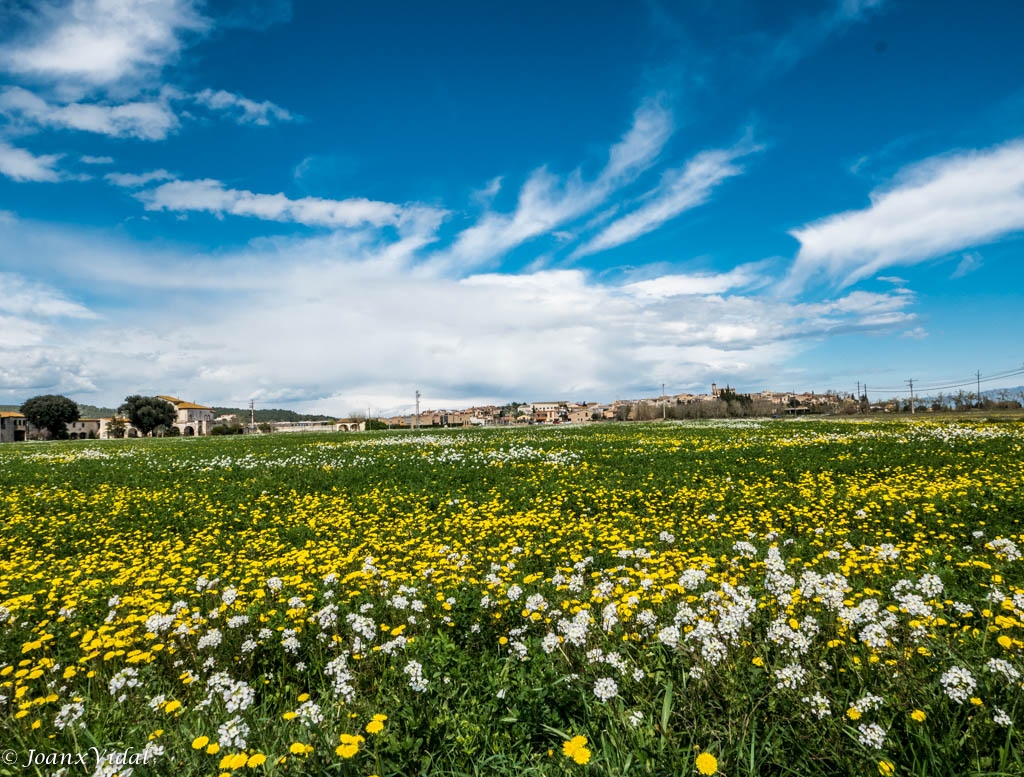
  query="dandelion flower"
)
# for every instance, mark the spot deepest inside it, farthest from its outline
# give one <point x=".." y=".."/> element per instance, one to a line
<point x="257" y="759"/>
<point x="707" y="764"/>
<point x="886" y="768"/>
<point x="574" y="744"/>
<point x="918" y="715"/>
<point x="200" y="742"/>
<point x="349" y="745"/>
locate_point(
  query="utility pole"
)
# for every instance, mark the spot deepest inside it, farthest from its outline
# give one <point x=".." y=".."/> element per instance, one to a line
<point x="977" y="374"/>
<point x="858" y="396"/>
<point x="911" y="382"/>
<point x="663" y="411"/>
<point x="416" y="424"/>
<point x="252" y="413"/>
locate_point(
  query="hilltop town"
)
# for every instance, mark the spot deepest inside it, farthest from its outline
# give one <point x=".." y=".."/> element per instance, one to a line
<point x="192" y="419"/>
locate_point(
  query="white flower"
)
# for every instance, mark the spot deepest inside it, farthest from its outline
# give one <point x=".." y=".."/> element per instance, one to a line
<point x="958" y="683"/>
<point x="1005" y="668"/>
<point x="871" y="735"/>
<point x="820" y="705"/>
<point x="790" y="676"/>
<point x="1000" y="718"/>
<point x="1004" y="547"/>
<point x="232" y="734"/>
<point x="605" y="689"/>
<point x="636" y="717"/>
<point x="415" y="671"/>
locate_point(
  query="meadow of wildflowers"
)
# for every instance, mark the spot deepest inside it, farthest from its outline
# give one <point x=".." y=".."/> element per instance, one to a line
<point x="773" y="598"/>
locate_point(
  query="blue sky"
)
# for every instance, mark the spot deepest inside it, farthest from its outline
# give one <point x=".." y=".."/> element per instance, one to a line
<point x="329" y="205"/>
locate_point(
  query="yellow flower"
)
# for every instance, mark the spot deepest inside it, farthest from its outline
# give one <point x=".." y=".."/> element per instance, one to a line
<point x="918" y="715"/>
<point x="349" y="745"/>
<point x="574" y="744"/>
<point x="298" y="748"/>
<point x="1005" y="641"/>
<point x="707" y="764"/>
<point x="375" y="726"/>
<point x="171" y="706"/>
<point x="853" y="713"/>
<point x="200" y="742"/>
<point x="237" y="761"/>
<point x="886" y="768"/>
<point x="257" y="759"/>
<point x="212" y="749"/>
<point x="289" y="716"/>
<point x="303" y="697"/>
<point x="581" y="756"/>
<point x="976" y="701"/>
<point x="757" y="661"/>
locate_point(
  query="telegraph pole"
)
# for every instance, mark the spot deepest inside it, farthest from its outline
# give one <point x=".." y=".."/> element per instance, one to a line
<point x="977" y="374"/>
<point x="911" y="382"/>
<point x="416" y="424"/>
<point x="252" y="413"/>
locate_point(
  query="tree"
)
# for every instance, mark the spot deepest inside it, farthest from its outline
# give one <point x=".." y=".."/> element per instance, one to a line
<point x="265" y="428"/>
<point x="147" y="413"/>
<point x="51" y="412"/>
<point x="375" y="424"/>
<point x="116" y="427"/>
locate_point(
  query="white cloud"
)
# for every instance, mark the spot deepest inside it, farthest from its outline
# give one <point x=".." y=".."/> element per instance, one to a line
<point x="213" y="197"/>
<point x="336" y="324"/>
<point x="942" y="205"/>
<point x="969" y="262"/>
<point x="680" y="190"/>
<point x="666" y="286"/>
<point x="134" y="180"/>
<point x="90" y="43"/>
<point x="547" y="202"/>
<point x="86" y="159"/>
<point x="145" y="120"/>
<point x="24" y="298"/>
<point x="21" y="165"/>
<point x="242" y="109"/>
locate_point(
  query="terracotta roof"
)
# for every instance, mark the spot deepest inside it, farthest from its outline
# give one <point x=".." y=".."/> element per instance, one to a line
<point x="10" y="414"/>
<point x="182" y="404"/>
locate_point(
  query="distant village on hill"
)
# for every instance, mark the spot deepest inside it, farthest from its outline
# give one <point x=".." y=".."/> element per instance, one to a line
<point x="191" y="419"/>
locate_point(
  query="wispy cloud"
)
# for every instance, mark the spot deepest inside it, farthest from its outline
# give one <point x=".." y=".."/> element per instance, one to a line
<point x="813" y="31"/>
<point x="135" y="180"/>
<point x="86" y="159"/>
<point x="100" y="43"/>
<point x="21" y="165"/>
<point x="547" y="202"/>
<point x="242" y="109"/>
<point x="942" y="205"/>
<point x="680" y="190"/>
<point x="146" y="120"/>
<point x="665" y="286"/>
<point x="213" y="197"/>
<point x="969" y="262"/>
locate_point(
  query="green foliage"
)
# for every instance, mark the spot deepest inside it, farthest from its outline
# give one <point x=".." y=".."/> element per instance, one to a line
<point x="51" y="412"/>
<point x="270" y="414"/>
<point x="231" y="428"/>
<point x="116" y="428"/>
<point x="375" y="425"/>
<point x="147" y="413"/>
